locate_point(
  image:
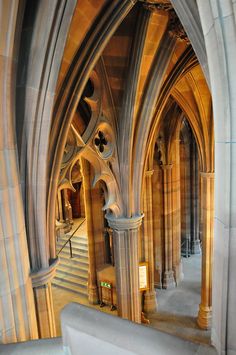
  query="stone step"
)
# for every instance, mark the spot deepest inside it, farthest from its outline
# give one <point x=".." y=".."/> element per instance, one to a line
<point x="74" y="240"/>
<point x="78" y="273"/>
<point x="65" y="278"/>
<point x="79" y="234"/>
<point x="72" y="273"/>
<point x="82" y="248"/>
<point x="74" y="267"/>
<point x="76" y="254"/>
<point x="77" y="257"/>
<point x="74" y="262"/>
<point x="71" y="287"/>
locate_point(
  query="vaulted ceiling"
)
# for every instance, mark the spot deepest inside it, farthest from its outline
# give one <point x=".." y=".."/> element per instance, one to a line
<point x="145" y="61"/>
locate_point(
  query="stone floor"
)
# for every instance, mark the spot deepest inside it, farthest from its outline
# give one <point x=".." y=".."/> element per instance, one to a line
<point x="176" y="315"/>
<point x="178" y="308"/>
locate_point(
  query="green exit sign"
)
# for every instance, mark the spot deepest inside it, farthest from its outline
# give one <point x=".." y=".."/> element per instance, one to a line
<point x="105" y="284"/>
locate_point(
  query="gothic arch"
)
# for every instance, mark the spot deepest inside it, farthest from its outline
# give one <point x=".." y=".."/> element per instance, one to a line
<point x="72" y="85"/>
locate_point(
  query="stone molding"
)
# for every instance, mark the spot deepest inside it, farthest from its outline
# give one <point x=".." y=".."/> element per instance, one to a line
<point x="149" y="172"/>
<point x="44" y="276"/>
<point x="124" y="223"/>
<point x="166" y="166"/>
<point x="207" y="175"/>
<point x="175" y="27"/>
<point x="154" y="5"/>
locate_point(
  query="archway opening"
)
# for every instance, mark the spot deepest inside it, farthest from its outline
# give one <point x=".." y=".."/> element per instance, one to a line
<point x="176" y="228"/>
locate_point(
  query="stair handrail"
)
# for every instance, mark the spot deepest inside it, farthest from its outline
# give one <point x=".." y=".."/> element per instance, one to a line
<point x="69" y="240"/>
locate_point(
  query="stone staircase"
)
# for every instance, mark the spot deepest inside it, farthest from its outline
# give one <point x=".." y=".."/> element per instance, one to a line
<point x="72" y="273"/>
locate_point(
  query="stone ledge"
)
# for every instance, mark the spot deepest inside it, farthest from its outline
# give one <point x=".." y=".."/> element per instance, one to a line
<point x="124" y="223"/>
<point x="43" y="276"/>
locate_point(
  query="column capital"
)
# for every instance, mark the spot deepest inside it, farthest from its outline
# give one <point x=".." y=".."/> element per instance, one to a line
<point x="167" y="166"/>
<point x="149" y="172"/>
<point x="210" y="175"/>
<point x="124" y="223"/>
<point x="43" y="276"/>
<point x="155" y="5"/>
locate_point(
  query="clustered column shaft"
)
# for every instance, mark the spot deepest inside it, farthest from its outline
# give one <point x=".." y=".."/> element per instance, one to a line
<point x="168" y="277"/>
<point x="125" y="239"/>
<point x="92" y="278"/>
<point x="150" y="304"/>
<point x="207" y="205"/>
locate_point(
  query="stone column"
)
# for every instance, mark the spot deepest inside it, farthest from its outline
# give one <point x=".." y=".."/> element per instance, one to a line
<point x="158" y="223"/>
<point x="150" y="303"/>
<point x="60" y="208"/>
<point x="125" y="239"/>
<point x="195" y="240"/>
<point x="207" y="205"/>
<point x="168" y="276"/>
<point x="41" y="282"/>
<point x="67" y="208"/>
<point x="92" y="277"/>
<point x="17" y="308"/>
<point x="185" y="198"/>
<point x="75" y="201"/>
<point x="176" y="212"/>
<point x="98" y="225"/>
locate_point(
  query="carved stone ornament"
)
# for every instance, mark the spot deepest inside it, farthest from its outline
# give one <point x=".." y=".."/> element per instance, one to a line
<point x="175" y="27"/>
<point x="103" y="141"/>
<point x="153" y="5"/>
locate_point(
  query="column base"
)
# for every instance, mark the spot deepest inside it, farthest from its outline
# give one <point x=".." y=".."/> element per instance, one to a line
<point x="168" y="280"/>
<point x="185" y="248"/>
<point x="178" y="272"/>
<point x="158" y="285"/>
<point x="158" y="279"/>
<point x="196" y="247"/>
<point x="204" y="317"/>
<point x="93" y="295"/>
<point x="150" y="302"/>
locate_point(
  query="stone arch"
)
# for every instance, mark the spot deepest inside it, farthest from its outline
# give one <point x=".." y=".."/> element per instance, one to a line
<point x="71" y="88"/>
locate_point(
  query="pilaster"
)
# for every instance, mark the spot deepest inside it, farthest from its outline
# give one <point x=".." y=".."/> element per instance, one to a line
<point x="195" y="240"/>
<point x="185" y="194"/>
<point x="176" y="211"/>
<point x="207" y="205"/>
<point x="168" y="276"/>
<point x="60" y="208"/>
<point x="158" y="230"/>
<point x="150" y="302"/>
<point x="67" y="208"/>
